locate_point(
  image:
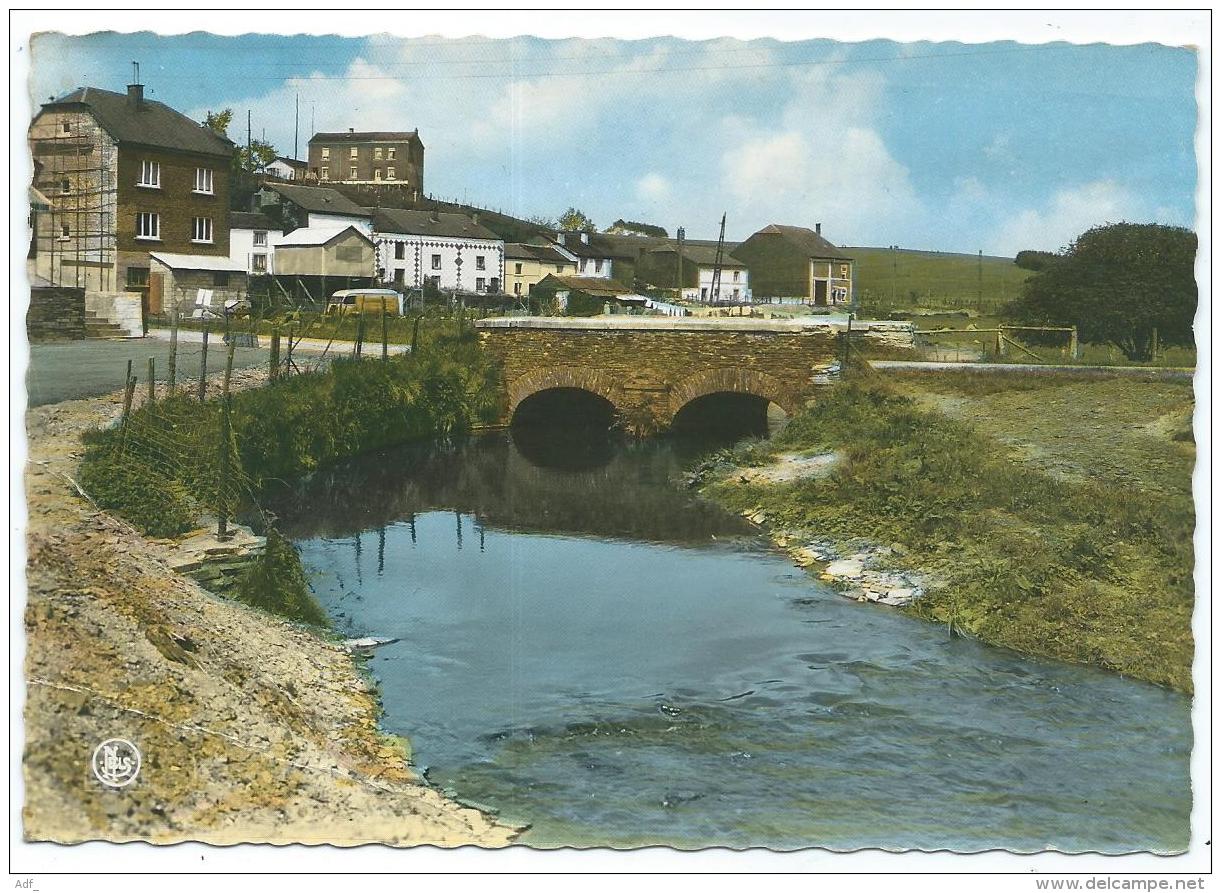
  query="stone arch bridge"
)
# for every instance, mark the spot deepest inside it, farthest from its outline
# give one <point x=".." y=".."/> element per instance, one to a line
<point x="657" y="365"/>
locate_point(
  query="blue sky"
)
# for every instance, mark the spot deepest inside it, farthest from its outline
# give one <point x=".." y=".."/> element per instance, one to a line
<point x="946" y="146"/>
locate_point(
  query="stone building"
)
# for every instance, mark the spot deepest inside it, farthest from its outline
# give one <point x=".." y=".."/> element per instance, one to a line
<point x="793" y="263"/>
<point x="124" y="176"/>
<point x="369" y="157"/>
<point x="660" y="267"/>
<point x="197" y="285"/>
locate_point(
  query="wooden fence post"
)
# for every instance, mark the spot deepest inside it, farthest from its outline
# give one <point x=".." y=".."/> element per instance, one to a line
<point x="1073" y="346"/>
<point x="415" y="335"/>
<point x="203" y="365"/>
<point x="129" y="389"/>
<point x="173" y="368"/>
<point x="228" y="369"/>
<point x="385" y="345"/>
<point x="275" y="353"/>
<point x="152" y="381"/>
<point x="222" y="521"/>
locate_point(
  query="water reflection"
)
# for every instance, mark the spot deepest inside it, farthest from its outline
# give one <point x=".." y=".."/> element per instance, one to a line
<point x="529" y="480"/>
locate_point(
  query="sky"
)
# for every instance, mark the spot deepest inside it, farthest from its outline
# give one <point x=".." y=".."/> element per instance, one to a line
<point x="935" y="146"/>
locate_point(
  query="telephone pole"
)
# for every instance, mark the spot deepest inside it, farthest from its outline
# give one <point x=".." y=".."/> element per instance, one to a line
<point x="682" y="237"/>
<point x="296" y="125"/>
<point x="714" y="293"/>
<point x="249" y="157"/>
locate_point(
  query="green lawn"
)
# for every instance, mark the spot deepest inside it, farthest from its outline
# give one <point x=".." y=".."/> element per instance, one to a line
<point x="905" y="279"/>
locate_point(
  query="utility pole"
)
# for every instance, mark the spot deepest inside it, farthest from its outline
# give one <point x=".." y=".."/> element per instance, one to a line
<point x="682" y="237"/>
<point x="714" y="292"/>
<point x="249" y="157"/>
<point x="894" y="272"/>
<point x="980" y="296"/>
<point x="296" y="126"/>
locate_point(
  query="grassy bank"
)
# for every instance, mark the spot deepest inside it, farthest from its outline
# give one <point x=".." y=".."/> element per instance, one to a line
<point x="169" y="468"/>
<point x="904" y="279"/>
<point x="1055" y="514"/>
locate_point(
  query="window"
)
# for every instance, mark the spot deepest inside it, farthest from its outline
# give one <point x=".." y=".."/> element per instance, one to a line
<point x="65" y="186"/>
<point x="735" y="293"/>
<point x="390" y="152"/>
<point x="150" y="174"/>
<point x="354" y="152"/>
<point x="258" y="263"/>
<point x="398" y="275"/>
<point x="220" y="279"/>
<point x="352" y="172"/>
<point x="400" y="250"/>
<point x="148" y="225"/>
<point x="517" y="269"/>
<point x="390" y="173"/>
<point x="737" y="277"/>
<point x="203" y="180"/>
<point x="480" y="263"/>
<point x="324" y="173"/>
<point x="260" y="238"/>
<point x="584" y="265"/>
<point x="436" y="261"/>
<point x="326" y="153"/>
<point x="559" y="268"/>
<point x="843" y="271"/>
<point x="377" y="173"/>
<point x="517" y="285"/>
<point x="377" y="153"/>
<point x="598" y="265"/>
<point x="67" y="128"/>
<point x="65" y="232"/>
<point x="481" y="284"/>
<point x="201" y="229"/>
<point x="137" y="277"/>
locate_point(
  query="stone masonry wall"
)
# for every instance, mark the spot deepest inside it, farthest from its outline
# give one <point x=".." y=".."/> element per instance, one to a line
<point x="56" y="314"/>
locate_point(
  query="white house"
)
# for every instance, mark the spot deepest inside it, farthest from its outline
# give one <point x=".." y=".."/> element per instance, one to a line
<point x="592" y="257"/>
<point x="452" y="251"/>
<point x="252" y="242"/>
<point x="314" y="207"/>
<point x="287" y="168"/>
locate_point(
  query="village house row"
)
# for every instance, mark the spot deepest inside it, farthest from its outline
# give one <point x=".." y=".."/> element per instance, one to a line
<point x="132" y="198"/>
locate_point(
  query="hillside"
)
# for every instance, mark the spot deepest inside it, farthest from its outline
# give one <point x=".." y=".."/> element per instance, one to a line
<point x="941" y="280"/>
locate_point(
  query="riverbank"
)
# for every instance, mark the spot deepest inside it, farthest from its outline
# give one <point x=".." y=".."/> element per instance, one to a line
<point x="1051" y="515"/>
<point x="251" y="728"/>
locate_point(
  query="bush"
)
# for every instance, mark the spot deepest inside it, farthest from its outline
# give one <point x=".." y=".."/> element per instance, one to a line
<point x="154" y="503"/>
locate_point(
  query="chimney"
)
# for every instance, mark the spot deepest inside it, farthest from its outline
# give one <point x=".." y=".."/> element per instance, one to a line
<point x="585" y="238"/>
<point x="351" y="130"/>
<point x="559" y="238"/>
<point x="135" y="95"/>
<point x="818" y="228"/>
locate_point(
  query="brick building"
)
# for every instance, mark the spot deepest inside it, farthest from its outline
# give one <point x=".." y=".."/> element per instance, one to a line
<point x="380" y="157"/>
<point x="793" y="263"/>
<point x="124" y="176"/>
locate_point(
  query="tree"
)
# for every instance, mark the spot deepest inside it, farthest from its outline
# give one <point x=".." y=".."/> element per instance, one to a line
<point x="636" y="228"/>
<point x="1035" y="260"/>
<point x="1118" y="284"/>
<point x="574" y="221"/>
<point x="218" y="122"/>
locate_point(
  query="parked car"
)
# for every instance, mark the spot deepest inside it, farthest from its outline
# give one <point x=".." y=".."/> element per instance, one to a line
<point x="367" y="300"/>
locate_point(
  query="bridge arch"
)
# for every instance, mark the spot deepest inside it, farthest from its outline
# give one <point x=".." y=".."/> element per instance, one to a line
<point x="581" y="378"/>
<point x="731" y="380"/>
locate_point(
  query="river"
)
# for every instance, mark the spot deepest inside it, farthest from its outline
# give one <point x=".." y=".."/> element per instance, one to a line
<point x="591" y="650"/>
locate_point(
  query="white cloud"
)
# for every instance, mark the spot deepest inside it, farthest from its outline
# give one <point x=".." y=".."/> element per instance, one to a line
<point x="653" y="187"/>
<point x="826" y="162"/>
<point x="1067" y="214"/>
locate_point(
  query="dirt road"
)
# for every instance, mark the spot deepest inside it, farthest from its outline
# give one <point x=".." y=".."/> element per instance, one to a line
<point x="249" y="728"/>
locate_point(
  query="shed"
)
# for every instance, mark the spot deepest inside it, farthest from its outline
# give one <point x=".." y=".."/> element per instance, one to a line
<point x="318" y="251"/>
<point x="194" y="282"/>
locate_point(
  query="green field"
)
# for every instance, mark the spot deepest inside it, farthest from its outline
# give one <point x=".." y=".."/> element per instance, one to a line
<point x="904" y="279"/>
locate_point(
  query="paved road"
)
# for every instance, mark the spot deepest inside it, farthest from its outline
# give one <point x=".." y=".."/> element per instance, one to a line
<point x="73" y="369"/>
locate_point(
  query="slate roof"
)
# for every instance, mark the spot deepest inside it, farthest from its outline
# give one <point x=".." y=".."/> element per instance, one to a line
<point x="429" y="223"/>
<point x="701" y="254"/>
<point x="806" y="240"/>
<point x="292" y="162"/>
<point x="367" y="136"/>
<point x="545" y="253"/>
<point x="250" y="220"/>
<point x="591" y="285"/>
<point x="150" y="123"/>
<point x="319" y="199"/>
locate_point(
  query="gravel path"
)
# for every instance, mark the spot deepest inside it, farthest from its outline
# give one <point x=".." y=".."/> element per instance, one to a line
<point x="250" y="728"/>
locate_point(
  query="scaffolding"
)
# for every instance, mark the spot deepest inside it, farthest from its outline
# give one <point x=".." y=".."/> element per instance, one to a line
<point x="76" y="170"/>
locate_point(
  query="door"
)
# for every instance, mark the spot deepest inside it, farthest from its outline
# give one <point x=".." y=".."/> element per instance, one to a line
<point x="820" y="292"/>
<point x="155" y="288"/>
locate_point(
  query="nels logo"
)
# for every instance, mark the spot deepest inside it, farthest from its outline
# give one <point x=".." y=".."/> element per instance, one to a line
<point x="116" y="762"/>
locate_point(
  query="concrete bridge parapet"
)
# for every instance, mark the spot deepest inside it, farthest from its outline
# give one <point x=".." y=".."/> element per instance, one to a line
<point x="654" y="366"/>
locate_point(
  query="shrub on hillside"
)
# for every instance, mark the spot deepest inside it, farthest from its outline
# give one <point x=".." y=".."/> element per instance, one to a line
<point x="155" y="504"/>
